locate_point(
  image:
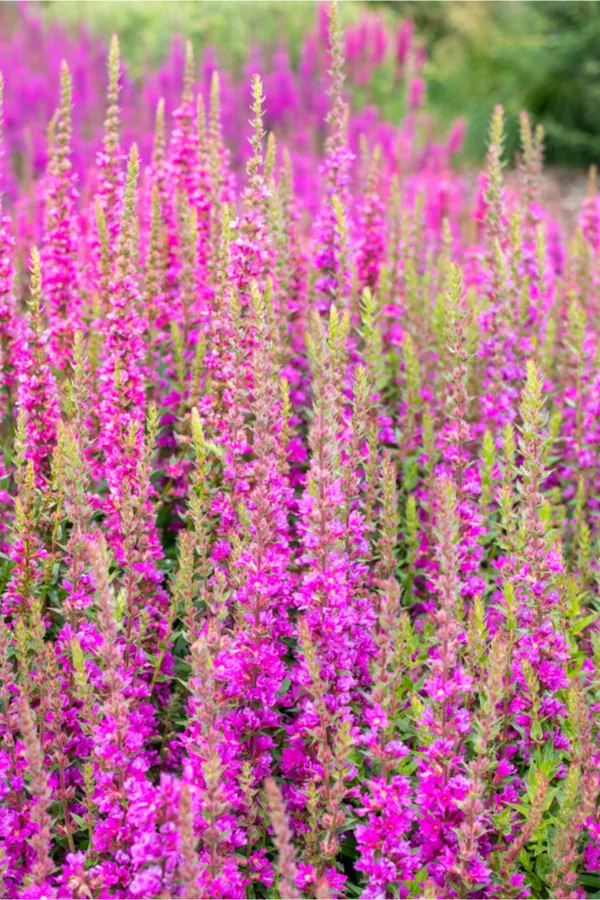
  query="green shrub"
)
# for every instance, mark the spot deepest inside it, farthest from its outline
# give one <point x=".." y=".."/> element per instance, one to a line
<point x="542" y="57"/>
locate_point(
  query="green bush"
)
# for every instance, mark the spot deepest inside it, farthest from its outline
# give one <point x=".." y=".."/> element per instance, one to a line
<point x="542" y="57"/>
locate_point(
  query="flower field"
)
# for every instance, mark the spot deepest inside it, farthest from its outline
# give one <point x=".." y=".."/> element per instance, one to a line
<point x="298" y="487"/>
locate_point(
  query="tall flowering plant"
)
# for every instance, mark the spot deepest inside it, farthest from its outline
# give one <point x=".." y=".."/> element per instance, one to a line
<point x="299" y="557"/>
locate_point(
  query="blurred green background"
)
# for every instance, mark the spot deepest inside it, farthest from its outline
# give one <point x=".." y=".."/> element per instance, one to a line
<point x="540" y="56"/>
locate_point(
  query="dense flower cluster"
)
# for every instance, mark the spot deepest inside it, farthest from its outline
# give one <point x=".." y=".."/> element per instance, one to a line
<point x="299" y="513"/>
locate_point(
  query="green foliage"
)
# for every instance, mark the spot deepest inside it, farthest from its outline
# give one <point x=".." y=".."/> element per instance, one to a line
<point x="535" y="56"/>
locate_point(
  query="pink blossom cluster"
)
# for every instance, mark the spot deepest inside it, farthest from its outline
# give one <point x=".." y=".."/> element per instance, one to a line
<point x="299" y="534"/>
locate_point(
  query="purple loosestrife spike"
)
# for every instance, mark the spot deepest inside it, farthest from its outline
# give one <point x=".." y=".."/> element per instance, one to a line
<point x="494" y="196"/>
<point x="202" y="135"/>
<point x="250" y="666"/>
<point x="444" y="718"/>
<point x="457" y="433"/>
<point x="122" y="369"/>
<point x="387" y="803"/>
<point x="337" y="644"/>
<point x="532" y="146"/>
<point x="77" y="483"/>
<point x="212" y="763"/>
<point x="10" y="763"/>
<point x="110" y="159"/>
<point x="191" y="182"/>
<point x="61" y="290"/>
<point x="156" y="303"/>
<point x="7" y="300"/>
<point x="189" y="866"/>
<point x="472" y="867"/>
<point x="42" y="865"/>
<point x="127" y="455"/>
<point x="529" y="827"/>
<point x="184" y="147"/>
<point x="27" y="551"/>
<point x="389" y="520"/>
<point x="335" y="175"/>
<point x="283" y="841"/>
<point x="37" y="394"/>
<point x="188" y="73"/>
<point x="222" y="179"/>
<point x="59" y="739"/>
<point x="336" y="71"/>
<point x="115" y="742"/>
<point x="370" y="251"/>
<point x="159" y="149"/>
<point x="252" y="250"/>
